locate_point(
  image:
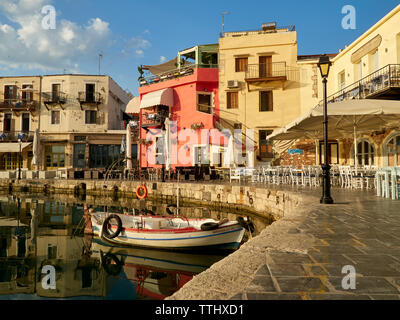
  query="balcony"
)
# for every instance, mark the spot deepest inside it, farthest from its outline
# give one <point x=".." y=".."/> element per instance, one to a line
<point x="54" y="98"/>
<point x="17" y="105"/>
<point x="13" y="136"/>
<point x="275" y="72"/>
<point x="89" y="98"/>
<point x="381" y="84"/>
<point x="154" y="116"/>
<point x="174" y="74"/>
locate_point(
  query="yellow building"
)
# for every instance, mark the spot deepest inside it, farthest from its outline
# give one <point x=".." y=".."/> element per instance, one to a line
<point x="259" y="82"/>
<point x="80" y="120"/>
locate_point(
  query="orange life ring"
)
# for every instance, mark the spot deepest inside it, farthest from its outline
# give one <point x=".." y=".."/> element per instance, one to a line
<point x="141" y="192"/>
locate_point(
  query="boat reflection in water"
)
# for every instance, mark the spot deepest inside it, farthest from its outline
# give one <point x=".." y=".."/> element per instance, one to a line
<point x="34" y="236"/>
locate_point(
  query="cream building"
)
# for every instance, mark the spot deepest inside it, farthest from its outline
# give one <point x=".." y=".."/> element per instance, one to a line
<point x="79" y="117"/>
<point x="368" y="68"/>
<point x="259" y="82"/>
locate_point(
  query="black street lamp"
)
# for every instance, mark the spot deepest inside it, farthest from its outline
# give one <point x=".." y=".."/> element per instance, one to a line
<point x="324" y="65"/>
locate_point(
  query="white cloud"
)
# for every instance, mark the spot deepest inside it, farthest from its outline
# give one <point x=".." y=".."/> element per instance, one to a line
<point x="28" y="45"/>
<point x="162" y="59"/>
<point x="136" y="45"/>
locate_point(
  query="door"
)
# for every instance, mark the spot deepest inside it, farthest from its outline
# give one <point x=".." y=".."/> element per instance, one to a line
<point x="56" y="89"/>
<point x="265" y="66"/>
<point x="7" y="122"/>
<point x="90" y="92"/>
<point x="25" y="122"/>
<point x="79" y="155"/>
<point x="333" y="152"/>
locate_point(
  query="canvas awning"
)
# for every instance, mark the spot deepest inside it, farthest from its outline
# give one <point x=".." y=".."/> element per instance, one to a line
<point x="161" y="97"/>
<point x="133" y="106"/>
<point x="343" y="118"/>
<point x="13" y="146"/>
<point x="163" y="67"/>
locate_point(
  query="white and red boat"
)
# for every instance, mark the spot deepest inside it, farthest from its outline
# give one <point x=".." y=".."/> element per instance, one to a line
<point x="166" y="232"/>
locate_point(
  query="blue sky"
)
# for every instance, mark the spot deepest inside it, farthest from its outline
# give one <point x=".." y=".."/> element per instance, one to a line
<point x="131" y="33"/>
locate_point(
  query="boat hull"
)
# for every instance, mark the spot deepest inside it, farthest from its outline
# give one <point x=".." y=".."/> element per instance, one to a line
<point x="225" y="237"/>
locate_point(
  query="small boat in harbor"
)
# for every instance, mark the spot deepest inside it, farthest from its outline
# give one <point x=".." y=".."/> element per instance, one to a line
<point x="166" y="232"/>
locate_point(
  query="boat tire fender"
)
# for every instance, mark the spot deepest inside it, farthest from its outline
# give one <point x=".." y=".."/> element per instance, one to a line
<point x="209" y="226"/>
<point x="105" y="226"/>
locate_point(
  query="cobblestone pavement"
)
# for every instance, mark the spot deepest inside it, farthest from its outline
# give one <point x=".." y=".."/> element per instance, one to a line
<point x="360" y="230"/>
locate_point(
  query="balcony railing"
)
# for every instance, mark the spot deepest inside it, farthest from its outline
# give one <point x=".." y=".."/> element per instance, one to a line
<point x="13" y="136"/>
<point x="17" y="104"/>
<point x="370" y="86"/>
<point x="270" y="71"/>
<point x="175" y="73"/>
<point x="54" y="97"/>
<point x="89" y="97"/>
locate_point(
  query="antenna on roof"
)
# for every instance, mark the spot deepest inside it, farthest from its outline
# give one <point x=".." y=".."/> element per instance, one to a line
<point x="223" y="25"/>
<point x="100" y="57"/>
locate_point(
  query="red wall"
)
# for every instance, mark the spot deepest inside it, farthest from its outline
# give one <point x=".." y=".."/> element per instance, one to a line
<point x="184" y="110"/>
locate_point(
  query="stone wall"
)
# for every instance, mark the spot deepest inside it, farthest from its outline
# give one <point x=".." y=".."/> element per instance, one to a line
<point x="262" y="201"/>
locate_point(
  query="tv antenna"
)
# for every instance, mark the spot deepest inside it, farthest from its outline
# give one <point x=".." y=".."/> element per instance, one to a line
<point x="100" y="57"/>
<point x="223" y="25"/>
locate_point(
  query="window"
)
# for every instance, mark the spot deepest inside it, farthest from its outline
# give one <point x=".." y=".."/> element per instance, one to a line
<point x="90" y="116"/>
<point x="365" y="153"/>
<point x="393" y="151"/>
<point x="342" y="80"/>
<point x="10" y="93"/>
<point x="333" y="152"/>
<point x="27" y="92"/>
<point x="159" y="150"/>
<point x="102" y="156"/>
<point x="241" y="64"/>
<point x="55" y="117"/>
<point x="55" y="156"/>
<point x="90" y="92"/>
<point x="266" y="101"/>
<point x="358" y="71"/>
<point x="25" y="122"/>
<point x="9" y="161"/>
<point x="80" y="138"/>
<point x="376" y="60"/>
<point x="79" y="155"/>
<point x="204" y="102"/>
<point x="200" y="155"/>
<point x="232" y="100"/>
<point x="7" y="122"/>
<point x="265" y="145"/>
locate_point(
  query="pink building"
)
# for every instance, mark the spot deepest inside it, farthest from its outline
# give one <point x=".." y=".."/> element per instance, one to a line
<point x="178" y="111"/>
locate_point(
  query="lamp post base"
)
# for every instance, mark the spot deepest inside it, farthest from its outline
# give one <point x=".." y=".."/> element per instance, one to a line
<point x="326" y="200"/>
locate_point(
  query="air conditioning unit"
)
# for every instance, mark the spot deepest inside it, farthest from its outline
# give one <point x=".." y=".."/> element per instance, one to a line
<point x="233" y="84"/>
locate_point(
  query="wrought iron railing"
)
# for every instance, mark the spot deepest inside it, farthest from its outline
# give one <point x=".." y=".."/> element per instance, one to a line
<point x="89" y="97"/>
<point x="271" y="70"/>
<point x="256" y="32"/>
<point x="374" y="83"/>
<point x="8" y="136"/>
<point x="175" y="73"/>
<point x="18" y="103"/>
<point x="54" y="97"/>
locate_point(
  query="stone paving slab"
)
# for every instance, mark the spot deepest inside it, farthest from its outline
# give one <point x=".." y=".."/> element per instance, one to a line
<point x="301" y="256"/>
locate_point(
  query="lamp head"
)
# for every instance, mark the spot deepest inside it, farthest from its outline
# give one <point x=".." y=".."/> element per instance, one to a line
<point x="324" y="65"/>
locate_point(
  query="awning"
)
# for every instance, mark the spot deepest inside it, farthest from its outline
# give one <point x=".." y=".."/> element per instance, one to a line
<point x="13" y="146"/>
<point x="163" y="97"/>
<point x="163" y="67"/>
<point x="133" y="106"/>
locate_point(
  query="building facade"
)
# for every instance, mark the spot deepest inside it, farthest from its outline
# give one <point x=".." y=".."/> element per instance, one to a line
<point x="79" y="120"/>
<point x="259" y="83"/>
<point x="182" y="99"/>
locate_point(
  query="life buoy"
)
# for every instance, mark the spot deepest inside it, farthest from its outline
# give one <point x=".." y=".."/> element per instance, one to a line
<point x="209" y="226"/>
<point x="141" y="192"/>
<point x="106" y="222"/>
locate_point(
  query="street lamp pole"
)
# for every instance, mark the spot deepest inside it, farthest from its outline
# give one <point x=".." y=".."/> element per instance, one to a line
<point x="324" y="65"/>
<point x="19" y="159"/>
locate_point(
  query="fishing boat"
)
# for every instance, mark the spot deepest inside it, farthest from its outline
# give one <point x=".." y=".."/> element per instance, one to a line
<point x="166" y="232"/>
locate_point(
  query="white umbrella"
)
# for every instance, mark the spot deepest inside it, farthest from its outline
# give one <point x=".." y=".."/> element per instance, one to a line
<point x="229" y="157"/>
<point x="128" y="147"/>
<point x="344" y="118"/>
<point x="35" y="149"/>
<point x="167" y="144"/>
